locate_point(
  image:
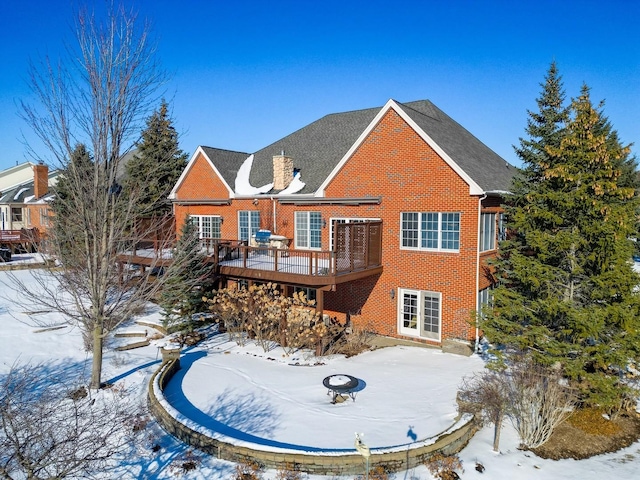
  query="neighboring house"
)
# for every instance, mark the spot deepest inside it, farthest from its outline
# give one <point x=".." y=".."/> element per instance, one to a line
<point x="10" y="178"/>
<point x="26" y="205"/>
<point x="394" y="209"/>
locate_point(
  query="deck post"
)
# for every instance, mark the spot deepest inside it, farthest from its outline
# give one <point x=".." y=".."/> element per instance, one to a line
<point x="320" y="301"/>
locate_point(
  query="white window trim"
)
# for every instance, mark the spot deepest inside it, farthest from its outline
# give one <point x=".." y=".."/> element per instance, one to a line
<point x="199" y="224"/>
<point x="250" y="213"/>
<point x="493" y="238"/>
<point x="295" y="229"/>
<point x="485" y="293"/>
<point x="501" y="229"/>
<point x="21" y="213"/>
<point x="439" y="248"/>
<point x="418" y="333"/>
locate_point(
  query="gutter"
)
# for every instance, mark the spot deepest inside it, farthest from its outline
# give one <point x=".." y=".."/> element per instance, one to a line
<point x="291" y="200"/>
<point x="203" y="201"/>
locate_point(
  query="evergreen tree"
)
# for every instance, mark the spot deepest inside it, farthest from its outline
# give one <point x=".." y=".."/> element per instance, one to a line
<point x="190" y="278"/>
<point x="156" y="167"/>
<point x="71" y="190"/>
<point x="566" y="292"/>
<point x="544" y="127"/>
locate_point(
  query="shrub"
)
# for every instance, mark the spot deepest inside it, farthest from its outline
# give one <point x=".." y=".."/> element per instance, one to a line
<point x="248" y="471"/>
<point x="290" y="472"/>
<point x="444" y="466"/>
<point x="354" y="341"/>
<point x="539" y="401"/>
<point x="376" y="473"/>
<point x="485" y="395"/>
<point x="185" y="464"/>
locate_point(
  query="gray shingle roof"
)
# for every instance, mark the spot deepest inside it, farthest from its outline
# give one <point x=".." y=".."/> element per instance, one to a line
<point x="489" y="170"/>
<point x="227" y="162"/>
<point x="25" y="191"/>
<point x="317" y="148"/>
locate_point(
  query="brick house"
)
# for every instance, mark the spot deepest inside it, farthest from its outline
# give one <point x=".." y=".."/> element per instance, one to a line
<point x="24" y="207"/>
<point x="393" y="212"/>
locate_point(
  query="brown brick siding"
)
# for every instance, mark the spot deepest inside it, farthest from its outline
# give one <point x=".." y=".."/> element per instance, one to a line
<point x="395" y="164"/>
<point x="202" y="182"/>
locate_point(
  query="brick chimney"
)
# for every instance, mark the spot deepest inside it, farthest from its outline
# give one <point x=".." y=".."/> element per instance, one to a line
<point x="282" y="171"/>
<point x="40" y="180"/>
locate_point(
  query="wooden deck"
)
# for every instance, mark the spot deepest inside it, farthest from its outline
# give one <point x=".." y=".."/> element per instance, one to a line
<point x="358" y="254"/>
<point x="25" y="239"/>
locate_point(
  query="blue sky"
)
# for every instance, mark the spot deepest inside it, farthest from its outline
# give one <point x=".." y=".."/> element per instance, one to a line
<point x="246" y="73"/>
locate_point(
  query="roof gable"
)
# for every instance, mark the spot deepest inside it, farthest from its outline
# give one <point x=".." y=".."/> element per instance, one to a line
<point x="224" y="163"/>
<point x="474" y="189"/>
<point x="487" y="169"/>
<point x="320" y="149"/>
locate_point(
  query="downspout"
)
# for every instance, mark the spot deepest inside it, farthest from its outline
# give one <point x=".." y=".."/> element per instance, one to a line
<point x="273" y="202"/>
<point x="477" y="343"/>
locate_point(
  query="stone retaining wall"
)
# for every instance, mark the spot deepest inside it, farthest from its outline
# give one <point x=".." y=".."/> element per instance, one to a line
<point x="131" y="346"/>
<point x="157" y="326"/>
<point x="448" y="443"/>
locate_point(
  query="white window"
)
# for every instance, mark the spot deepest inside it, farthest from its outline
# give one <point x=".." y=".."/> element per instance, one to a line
<point x="485" y="298"/>
<point x="208" y="225"/>
<point x="44" y="217"/>
<point x="437" y="231"/>
<point x="308" y="230"/>
<point x="16" y="214"/>
<point x="502" y="228"/>
<point x="420" y="313"/>
<point x="487" y="231"/>
<point x="248" y="224"/>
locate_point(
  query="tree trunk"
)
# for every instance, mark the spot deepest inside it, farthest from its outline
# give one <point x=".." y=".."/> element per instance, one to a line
<point x="496" y="434"/>
<point x="96" y="368"/>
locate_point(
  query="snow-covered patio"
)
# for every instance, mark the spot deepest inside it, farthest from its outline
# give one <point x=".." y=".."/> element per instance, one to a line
<point x="407" y="392"/>
<point x="271" y="400"/>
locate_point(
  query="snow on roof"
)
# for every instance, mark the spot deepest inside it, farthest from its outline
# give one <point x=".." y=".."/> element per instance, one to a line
<point x="20" y="192"/>
<point x="242" y="185"/>
<point x="295" y="186"/>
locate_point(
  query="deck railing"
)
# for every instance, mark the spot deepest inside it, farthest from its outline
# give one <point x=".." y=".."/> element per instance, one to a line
<point x="358" y="246"/>
<point x="19" y="236"/>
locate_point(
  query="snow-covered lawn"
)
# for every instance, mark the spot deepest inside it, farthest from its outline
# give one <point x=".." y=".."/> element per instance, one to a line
<point x="407" y="393"/>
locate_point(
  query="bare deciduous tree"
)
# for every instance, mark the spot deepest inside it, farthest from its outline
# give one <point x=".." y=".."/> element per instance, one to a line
<point x="534" y="398"/>
<point x="97" y="97"/>
<point x="485" y="394"/>
<point x="49" y="432"/>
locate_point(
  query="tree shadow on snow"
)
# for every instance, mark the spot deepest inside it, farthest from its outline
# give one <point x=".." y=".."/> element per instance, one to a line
<point x="243" y="417"/>
<point x="55" y="376"/>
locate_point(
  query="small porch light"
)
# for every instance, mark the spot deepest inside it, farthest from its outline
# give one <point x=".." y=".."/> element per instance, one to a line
<point x="392" y="293"/>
